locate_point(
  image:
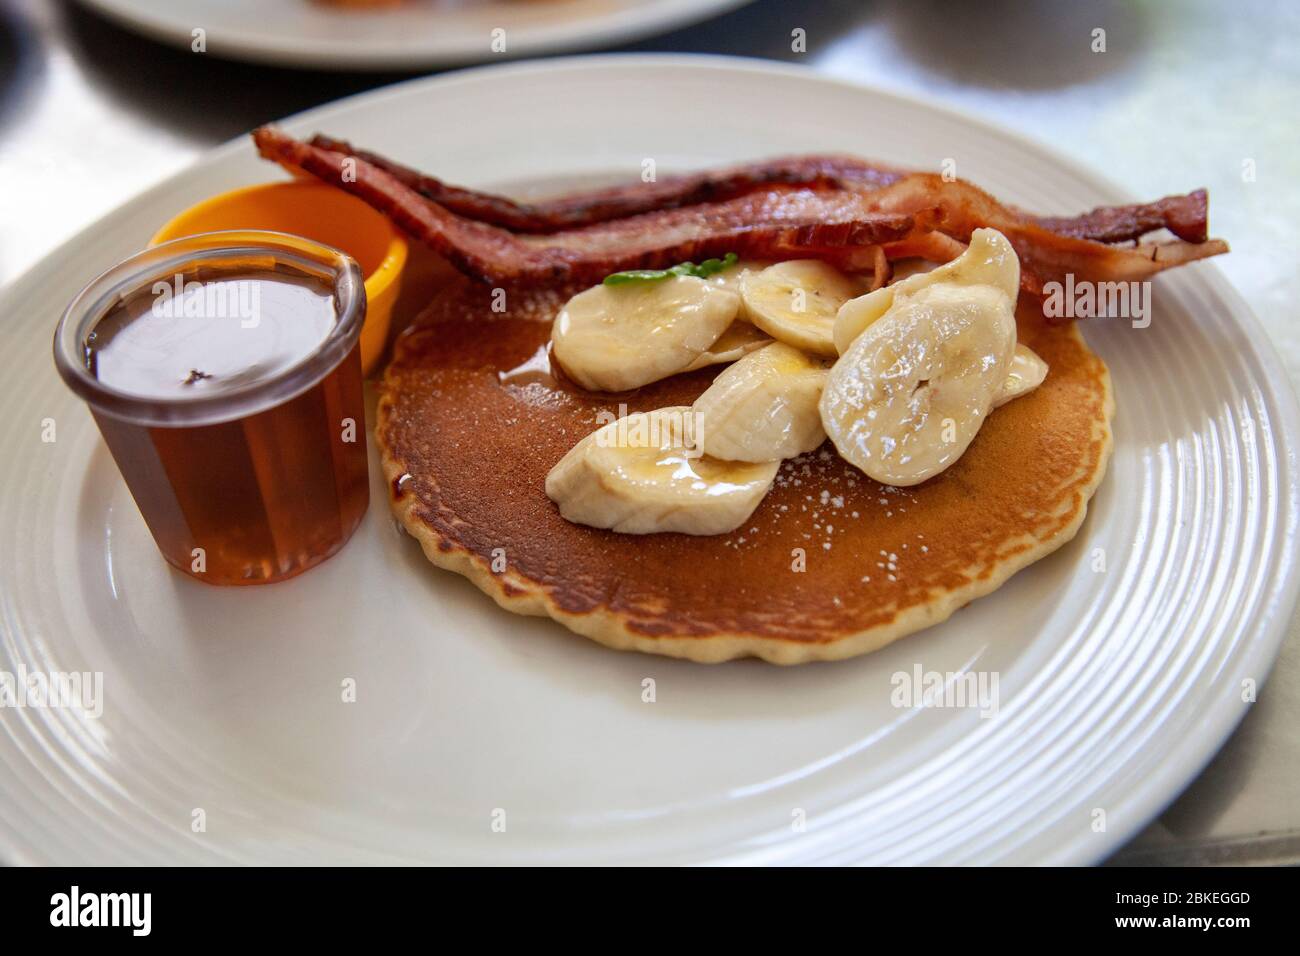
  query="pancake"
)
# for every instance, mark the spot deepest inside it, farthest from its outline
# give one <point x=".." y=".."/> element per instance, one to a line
<point x="830" y="565"/>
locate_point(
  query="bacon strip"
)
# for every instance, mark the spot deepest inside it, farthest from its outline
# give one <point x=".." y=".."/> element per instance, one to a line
<point x="1184" y="216"/>
<point x="892" y="215"/>
<point x="618" y="202"/>
<point x="1045" y="256"/>
<point x="781" y="223"/>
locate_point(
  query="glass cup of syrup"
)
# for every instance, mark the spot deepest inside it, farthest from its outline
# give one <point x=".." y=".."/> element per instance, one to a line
<point x="224" y="373"/>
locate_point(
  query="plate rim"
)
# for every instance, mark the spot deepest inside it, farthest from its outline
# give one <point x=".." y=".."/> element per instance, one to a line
<point x="609" y="29"/>
<point x="1186" y="757"/>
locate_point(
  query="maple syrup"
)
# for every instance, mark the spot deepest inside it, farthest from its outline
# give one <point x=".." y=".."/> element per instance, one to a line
<point x="224" y="374"/>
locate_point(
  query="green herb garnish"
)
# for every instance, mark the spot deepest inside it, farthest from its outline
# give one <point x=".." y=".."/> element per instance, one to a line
<point x="705" y="269"/>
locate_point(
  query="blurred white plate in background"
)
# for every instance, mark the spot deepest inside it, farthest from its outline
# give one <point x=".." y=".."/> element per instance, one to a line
<point x="411" y="35"/>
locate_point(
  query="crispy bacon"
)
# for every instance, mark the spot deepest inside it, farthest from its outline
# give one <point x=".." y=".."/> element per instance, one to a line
<point x="926" y="244"/>
<point x="618" y="202"/>
<point x="881" y="268"/>
<point x="776" y="215"/>
<point x="1184" y="216"/>
<point x="780" y="223"/>
<point x="1045" y="255"/>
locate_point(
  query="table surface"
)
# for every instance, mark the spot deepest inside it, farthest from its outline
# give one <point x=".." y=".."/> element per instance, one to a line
<point x="1185" y="95"/>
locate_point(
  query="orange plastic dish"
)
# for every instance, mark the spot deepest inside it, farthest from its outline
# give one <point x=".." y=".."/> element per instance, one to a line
<point x="321" y="213"/>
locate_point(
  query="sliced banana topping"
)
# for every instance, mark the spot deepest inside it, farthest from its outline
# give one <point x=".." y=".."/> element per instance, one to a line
<point x="739" y="340"/>
<point x="796" y="302"/>
<point x="989" y="260"/>
<point x="730" y="277"/>
<point x="764" y="407"/>
<point x="910" y="392"/>
<point x="644" y="474"/>
<point x="614" y="338"/>
<point x="1027" y="372"/>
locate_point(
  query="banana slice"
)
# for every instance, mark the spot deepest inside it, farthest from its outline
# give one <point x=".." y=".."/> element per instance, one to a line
<point x="641" y="475"/>
<point x="614" y="338"/>
<point x="739" y="340"/>
<point x="909" y="394"/>
<point x="989" y="260"/>
<point x="730" y="277"/>
<point x="1027" y="372"/>
<point x="796" y="302"/>
<point x="764" y="408"/>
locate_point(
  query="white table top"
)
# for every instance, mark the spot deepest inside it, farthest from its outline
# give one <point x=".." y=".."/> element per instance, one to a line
<point x="1185" y="95"/>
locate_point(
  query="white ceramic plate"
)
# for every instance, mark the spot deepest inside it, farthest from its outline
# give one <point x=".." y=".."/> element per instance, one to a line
<point x="1115" y="686"/>
<point x="420" y="33"/>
